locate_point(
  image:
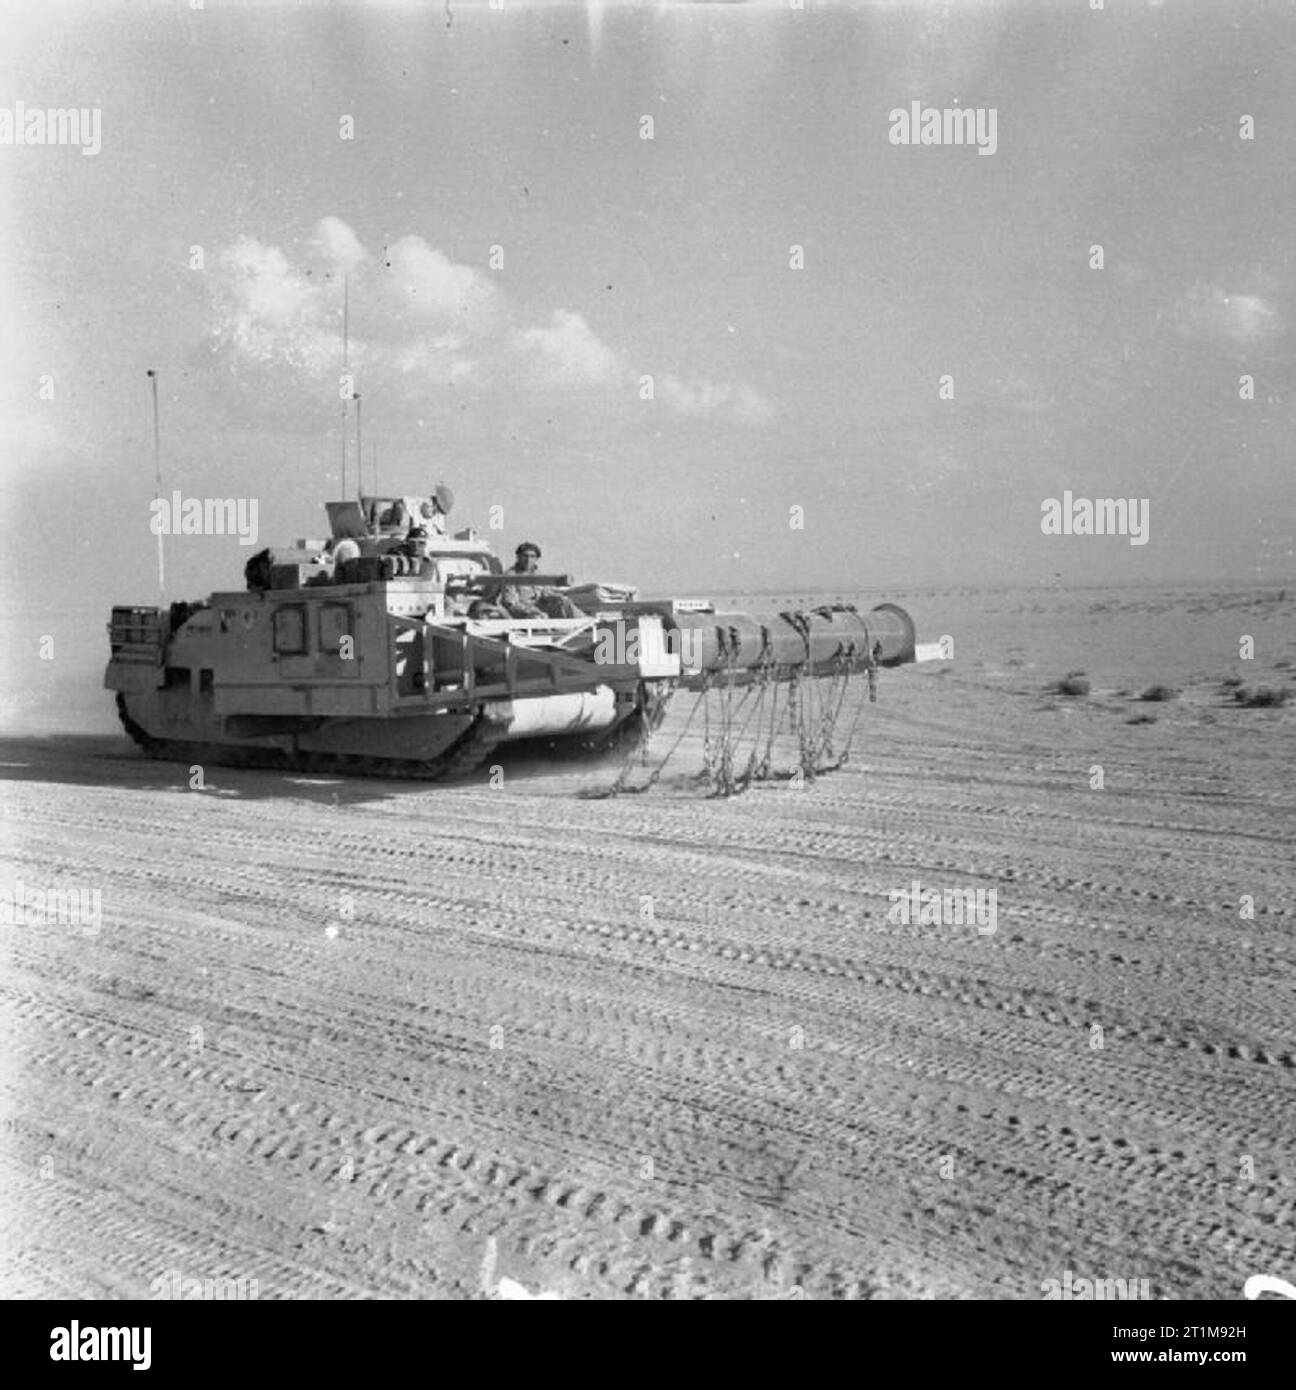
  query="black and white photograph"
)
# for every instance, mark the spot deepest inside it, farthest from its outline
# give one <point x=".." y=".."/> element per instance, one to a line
<point x="649" y="656"/>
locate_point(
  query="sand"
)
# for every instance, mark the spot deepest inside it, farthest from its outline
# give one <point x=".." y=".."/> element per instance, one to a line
<point x="350" y="1038"/>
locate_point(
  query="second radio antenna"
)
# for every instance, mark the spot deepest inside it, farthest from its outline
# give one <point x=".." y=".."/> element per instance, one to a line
<point x="346" y="383"/>
<point x="157" y="471"/>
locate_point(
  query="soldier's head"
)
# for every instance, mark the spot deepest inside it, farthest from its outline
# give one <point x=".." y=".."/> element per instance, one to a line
<point x="528" y="557"/>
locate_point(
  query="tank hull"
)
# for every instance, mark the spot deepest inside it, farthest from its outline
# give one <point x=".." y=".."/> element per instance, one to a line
<point x="388" y="677"/>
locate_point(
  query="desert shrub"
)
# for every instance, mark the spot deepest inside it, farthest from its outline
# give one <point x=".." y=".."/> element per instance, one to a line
<point x="1263" y="697"/>
<point x="1155" y="694"/>
<point x="1143" y="717"/>
<point x="1073" y="683"/>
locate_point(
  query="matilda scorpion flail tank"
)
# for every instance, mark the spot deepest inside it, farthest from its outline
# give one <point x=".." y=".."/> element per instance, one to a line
<point x="382" y="651"/>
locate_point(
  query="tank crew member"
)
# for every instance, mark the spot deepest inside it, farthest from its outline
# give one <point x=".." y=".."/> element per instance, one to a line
<point x="520" y="600"/>
<point x="256" y="573"/>
<point x="343" y="554"/>
<point x="415" y="546"/>
<point x="433" y="512"/>
<point x="534" y="600"/>
<point x="393" y="517"/>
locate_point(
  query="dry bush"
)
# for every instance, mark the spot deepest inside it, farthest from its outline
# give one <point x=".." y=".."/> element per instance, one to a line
<point x="1263" y="697"/>
<point x="1073" y="683"/>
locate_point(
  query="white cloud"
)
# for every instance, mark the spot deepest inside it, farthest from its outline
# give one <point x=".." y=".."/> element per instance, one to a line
<point x="1229" y="319"/>
<point x="339" y="244"/>
<point x="442" y="359"/>
<point x="270" y="290"/>
<point x="269" y="312"/>
<point x="432" y="286"/>
<point x="419" y="317"/>
<point x="742" y="404"/>
<point x="568" y="353"/>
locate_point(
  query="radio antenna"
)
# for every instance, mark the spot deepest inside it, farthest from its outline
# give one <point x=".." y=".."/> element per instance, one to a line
<point x="157" y="471"/>
<point x="359" y="450"/>
<point x="346" y="335"/>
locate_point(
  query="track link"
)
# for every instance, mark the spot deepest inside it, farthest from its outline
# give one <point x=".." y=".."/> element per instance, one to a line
<point x="456" y="762"/>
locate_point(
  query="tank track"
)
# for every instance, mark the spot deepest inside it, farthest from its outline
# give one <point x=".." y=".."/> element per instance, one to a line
<point x="467" y="753"/>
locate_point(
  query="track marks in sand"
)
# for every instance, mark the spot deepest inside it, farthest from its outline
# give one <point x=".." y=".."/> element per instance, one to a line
<point x="748" y="1089"/>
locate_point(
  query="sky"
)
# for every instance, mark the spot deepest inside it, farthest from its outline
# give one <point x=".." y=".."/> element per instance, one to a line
<point x="645" y="353"/>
